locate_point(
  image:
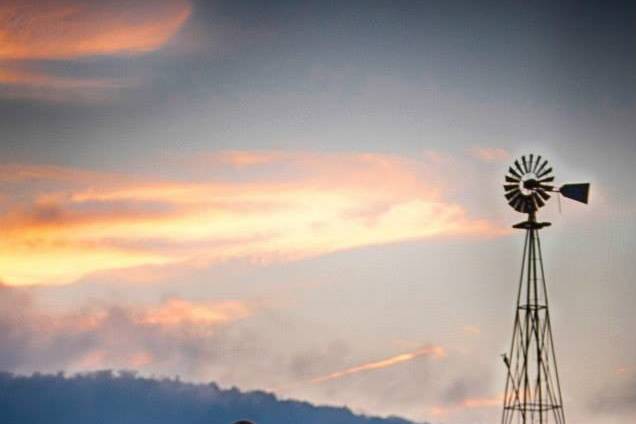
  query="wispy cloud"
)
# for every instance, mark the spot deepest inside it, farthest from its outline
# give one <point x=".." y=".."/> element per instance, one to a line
<point x="18" y="81"/>
<point x="35" y="32"/>
<point x="34" y="79"/>
<point x="60" y="226"/>
<point x="67" y="29"/>
<point x="434" y="351"/>
<point x="467" y="403"/>
<point x="489" y="154"/>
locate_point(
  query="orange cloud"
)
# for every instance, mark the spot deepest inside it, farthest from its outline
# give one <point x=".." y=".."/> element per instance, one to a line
<point x="35" y="79"/>
<point x="468" y="403"/>
<point x="100" y="358"/>
<point x="114" y="332"/>
<point x="246" y="158"/>
<point x="171" y="313"/>
<point x="66" y="29"/>
<point x="62" y="225"/>
<point x="482" y="402"/>
<point x="178" y="311"/>
<point x="490" y="154"/>
<point x="32" y="30"/>
<point x="12" y="173"/>
<point x="20" y="82"/>
<point x="435" y="351"/>
<point x="623" y="371"/>
<point x="472" y="329"/>
<point x="92" y="360"/>
<point x="140" y="359"/>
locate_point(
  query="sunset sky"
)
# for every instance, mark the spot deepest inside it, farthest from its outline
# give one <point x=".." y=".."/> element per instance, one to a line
<point x="306" y="197"/>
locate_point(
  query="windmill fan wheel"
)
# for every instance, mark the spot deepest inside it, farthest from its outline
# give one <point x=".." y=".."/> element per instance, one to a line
<point x="528" y="183"/>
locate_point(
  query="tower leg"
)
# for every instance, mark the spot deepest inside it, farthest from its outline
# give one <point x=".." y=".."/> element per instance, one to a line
<point x="532" y="393"/>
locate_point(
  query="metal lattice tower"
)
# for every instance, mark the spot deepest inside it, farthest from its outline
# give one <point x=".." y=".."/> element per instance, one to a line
<point x="533" y="391"/>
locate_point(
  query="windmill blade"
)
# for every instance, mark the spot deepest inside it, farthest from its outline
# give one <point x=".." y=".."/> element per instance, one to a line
<point x="511" y="195"/>
<point x="544" y="173"/>
<point x="541" y="167"/>
<point x="517" y="203"/>
<point x="509" y="187"/>
<point x="526" y="206"/>
<point x="547" y="179"/>
<point x="579" y="192"/>
<point x="546" y="187"/>
<point x="525" y="164"/>
<point x="537" y="200"/>
<point x="513" y="172"/>
<point x="521" y="207"/>
<point x="519" y="167"/>
<point x="543" y="194"/>
<point x="510" y="179"/>
<point x="536" y="164"/>
<point x="530" y="163"/>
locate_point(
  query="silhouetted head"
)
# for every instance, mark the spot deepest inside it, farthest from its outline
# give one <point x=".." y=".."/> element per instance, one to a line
<point x="243" y="422"/>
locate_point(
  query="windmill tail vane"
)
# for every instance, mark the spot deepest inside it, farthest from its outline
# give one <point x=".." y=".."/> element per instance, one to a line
<point x="533" y="389"/>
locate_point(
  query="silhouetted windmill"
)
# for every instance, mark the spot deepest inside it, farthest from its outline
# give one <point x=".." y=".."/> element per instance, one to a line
<point x="533" y="391"/>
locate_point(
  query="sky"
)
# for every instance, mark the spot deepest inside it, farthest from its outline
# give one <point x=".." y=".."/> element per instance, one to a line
<point x="306" y="197"/>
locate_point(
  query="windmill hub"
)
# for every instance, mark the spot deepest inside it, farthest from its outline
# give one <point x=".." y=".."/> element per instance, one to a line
<point x="529" y="183"/>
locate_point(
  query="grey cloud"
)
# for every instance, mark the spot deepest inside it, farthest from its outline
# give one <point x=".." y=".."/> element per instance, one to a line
<point x="251" y="352"/>
<point x="307" y="364"/>
<point x="14" y="340"/>
<point x="31" y="339"/>
<point x="270" y="350"/>
<point x="619" y="397"/>
<point x="472" y="385"/>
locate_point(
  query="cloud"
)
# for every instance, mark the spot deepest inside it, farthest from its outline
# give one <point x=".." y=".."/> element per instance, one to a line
<point x="14" y="326"/>
<point x="472" y="330"/>
<point x="246" y="158"/>
<point x="292" y="206"/>
<point x="35" y="79"/>
<point x="489" y="154"/>
<point x="617" y="397"/>
<point x="171" y="335"/>
<point x="179" y="312"/>
<point x="465" y="394"/>
<point x="69" y="29"/>
<point x="12" y="173"/>
<point x="246" y="343"/>
<point x="466" y="404"/>
<point x="34" y="34"/>
<point x="435" y="351"/>
<point x="410" y="387"/>
<point x="22" y="82"/>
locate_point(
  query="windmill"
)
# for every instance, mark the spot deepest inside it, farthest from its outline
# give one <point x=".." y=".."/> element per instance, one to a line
<point x="533" y="392"/>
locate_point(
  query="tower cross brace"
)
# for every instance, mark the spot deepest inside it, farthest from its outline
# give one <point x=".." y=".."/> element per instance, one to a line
<point x="533" y="391"/>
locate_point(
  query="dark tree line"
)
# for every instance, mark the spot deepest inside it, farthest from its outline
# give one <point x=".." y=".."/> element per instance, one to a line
<point x="106" y="397"/>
